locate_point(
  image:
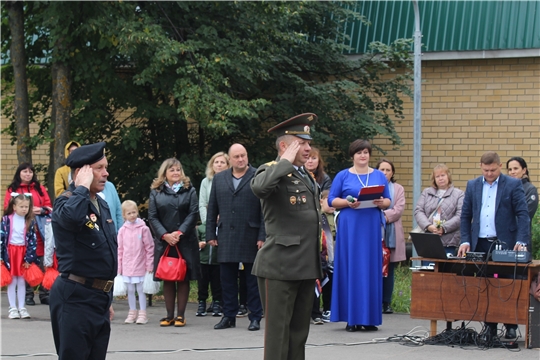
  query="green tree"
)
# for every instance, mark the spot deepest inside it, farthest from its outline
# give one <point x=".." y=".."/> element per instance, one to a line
<point x="191" y="78"/>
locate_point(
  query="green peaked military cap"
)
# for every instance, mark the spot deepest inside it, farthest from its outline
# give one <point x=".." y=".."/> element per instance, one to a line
<point x="86" y="155"/>
<point x="299" y="125"/>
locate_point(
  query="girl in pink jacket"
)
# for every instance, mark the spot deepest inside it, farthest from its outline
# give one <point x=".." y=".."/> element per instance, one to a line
<point x="135" y="258"/>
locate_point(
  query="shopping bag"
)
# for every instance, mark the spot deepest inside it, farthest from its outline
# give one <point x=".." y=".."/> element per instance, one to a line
<point x="171" y="268"/>
<point x="149" y="285"/>
<point x="119" y="288"/>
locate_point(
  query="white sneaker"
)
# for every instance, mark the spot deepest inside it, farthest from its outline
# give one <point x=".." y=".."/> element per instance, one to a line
<point x="14" y="313"/>
<point x="24" y="313"/>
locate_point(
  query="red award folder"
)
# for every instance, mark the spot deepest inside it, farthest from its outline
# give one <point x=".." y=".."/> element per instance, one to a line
<point x="368" y="194"/>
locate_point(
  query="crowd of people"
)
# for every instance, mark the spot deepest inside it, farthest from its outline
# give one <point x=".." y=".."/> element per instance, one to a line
<point x="271" y="235"/>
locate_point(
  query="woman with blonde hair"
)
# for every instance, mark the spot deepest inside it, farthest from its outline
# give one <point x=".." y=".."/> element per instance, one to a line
<point x="438" y="209"/>
<point x="173" y="213"/>
<point x="216" y="164"/>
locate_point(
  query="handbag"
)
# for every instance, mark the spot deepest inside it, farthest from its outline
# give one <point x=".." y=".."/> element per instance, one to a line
<point x="171" y="268"/>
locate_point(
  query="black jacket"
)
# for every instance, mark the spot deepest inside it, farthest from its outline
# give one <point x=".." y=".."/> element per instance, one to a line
<point x="531" y="195"/>
<point x="168" y="212"/>
<point x="85" y="239"/>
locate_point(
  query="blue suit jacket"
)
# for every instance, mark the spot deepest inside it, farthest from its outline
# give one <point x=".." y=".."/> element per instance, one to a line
<point x="511" y="216"/>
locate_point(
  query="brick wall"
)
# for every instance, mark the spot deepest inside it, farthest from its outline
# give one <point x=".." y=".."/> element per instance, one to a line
<point x="469" y="107"/>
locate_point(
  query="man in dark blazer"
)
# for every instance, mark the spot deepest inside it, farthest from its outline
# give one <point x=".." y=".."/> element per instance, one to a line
<point x="494" y="211"/>
<point x="289" y="262"/>
<point x="234" y="213"/>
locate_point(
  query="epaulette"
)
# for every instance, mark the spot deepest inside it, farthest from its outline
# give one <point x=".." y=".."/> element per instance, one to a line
<point x="271" y="163"/>
<point x="66" y="194"/>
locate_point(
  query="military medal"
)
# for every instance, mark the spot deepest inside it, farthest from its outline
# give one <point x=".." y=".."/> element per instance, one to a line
<point x="293" y="200"/>
<point x="93" y="217"/>
<point x="90" y="225"/>
<point x="304" y="200"/>
<point x="296" y="182"/>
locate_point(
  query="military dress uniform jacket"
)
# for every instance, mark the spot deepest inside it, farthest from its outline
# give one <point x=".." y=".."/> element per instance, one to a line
<point x="170" y="211"/>
<point x="241" y="223"/>
<point x="290" y="204"/>
<point x="85" y="238"/>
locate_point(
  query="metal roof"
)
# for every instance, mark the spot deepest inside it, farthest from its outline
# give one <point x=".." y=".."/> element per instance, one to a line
<point x="449" y="25"/>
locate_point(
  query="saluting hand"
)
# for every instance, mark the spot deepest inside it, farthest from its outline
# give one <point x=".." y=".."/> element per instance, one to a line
<point x="291" y="151"/>
<point x="84" y="177"/>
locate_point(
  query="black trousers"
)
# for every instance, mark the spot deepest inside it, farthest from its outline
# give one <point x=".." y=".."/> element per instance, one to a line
<point x="229" y="288"/>
<point x="80" y="320"/>
<point x="210" y="276"/>
<point x="327" y="292"/>
<point x="242" y="292"/>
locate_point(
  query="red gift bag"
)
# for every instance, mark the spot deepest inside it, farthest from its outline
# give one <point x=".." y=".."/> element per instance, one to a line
<point x="386" y="259"/>
<point x="33" y="275"/>
<point x="5" y="276"/>
<point x="171" y="268"/>
<point x="50" y="276"/>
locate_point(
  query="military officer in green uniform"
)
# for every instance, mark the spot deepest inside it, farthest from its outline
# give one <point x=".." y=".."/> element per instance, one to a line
<point x="289" y="262"/>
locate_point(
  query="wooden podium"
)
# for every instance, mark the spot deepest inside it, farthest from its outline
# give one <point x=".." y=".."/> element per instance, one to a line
<point x="473" y="291"/>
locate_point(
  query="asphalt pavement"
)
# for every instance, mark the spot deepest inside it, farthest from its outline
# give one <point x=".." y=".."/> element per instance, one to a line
<point x="399" y="337"/>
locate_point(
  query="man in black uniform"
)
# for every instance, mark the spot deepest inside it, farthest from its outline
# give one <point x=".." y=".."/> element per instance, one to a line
<point x="289" y="261"/>
<point x="86" y="248"/>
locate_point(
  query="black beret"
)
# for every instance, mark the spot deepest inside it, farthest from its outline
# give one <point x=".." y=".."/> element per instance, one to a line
<point x="298" y="125"/>
<point x="86" y="155"/>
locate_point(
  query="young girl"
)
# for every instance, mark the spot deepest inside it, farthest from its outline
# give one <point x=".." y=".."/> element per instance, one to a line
<point x="135" y="258"/>
<point x="18" y="249"/>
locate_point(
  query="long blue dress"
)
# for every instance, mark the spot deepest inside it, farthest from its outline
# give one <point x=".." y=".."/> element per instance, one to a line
<point x="357" y="282"/>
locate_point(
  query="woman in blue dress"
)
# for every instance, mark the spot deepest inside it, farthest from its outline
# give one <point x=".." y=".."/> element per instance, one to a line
<point x="357" y="287"/>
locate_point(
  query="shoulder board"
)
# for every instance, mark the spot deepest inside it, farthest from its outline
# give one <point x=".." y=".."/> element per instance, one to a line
<point x="66" y="194"/>
<point x="271" y="163"/>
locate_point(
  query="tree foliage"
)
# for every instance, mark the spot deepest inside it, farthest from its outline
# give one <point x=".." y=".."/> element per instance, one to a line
<point x="188" y="79"/>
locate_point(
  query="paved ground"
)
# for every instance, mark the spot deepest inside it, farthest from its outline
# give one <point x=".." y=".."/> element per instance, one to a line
<point x="199" y="341"/>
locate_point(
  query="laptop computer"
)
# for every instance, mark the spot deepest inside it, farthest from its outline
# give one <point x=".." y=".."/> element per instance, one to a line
<point x="430" y="245"/>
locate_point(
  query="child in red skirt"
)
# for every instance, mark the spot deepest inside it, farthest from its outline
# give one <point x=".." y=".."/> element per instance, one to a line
<point x="18" y="249"/>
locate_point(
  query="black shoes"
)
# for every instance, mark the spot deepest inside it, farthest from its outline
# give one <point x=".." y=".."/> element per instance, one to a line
<point x="226" y="323"/>
<point x="353" y="328"/>
<point x="30" y="301"/>
<point x="201" y="310"/>
<point x="216" y="309"/>
<point x="44" y="301"/>
<point x="370" y="327"/>
<point x="510" y="333"/>
<point x="386" y="309"/>
<point x="254" y="325"/>
<point x="242" y="311"/>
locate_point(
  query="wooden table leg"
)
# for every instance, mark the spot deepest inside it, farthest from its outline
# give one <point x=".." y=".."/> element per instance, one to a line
<point x="433" y="328"/>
